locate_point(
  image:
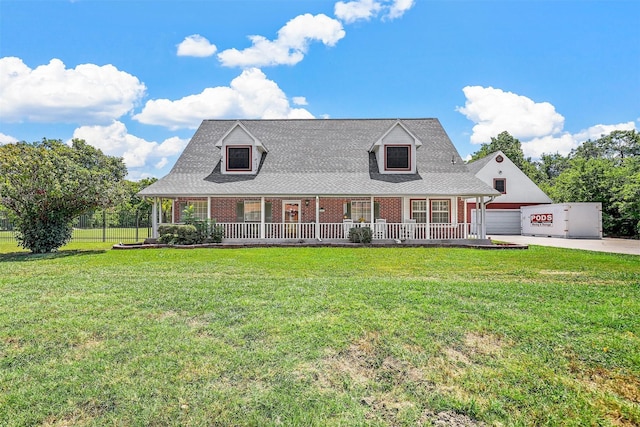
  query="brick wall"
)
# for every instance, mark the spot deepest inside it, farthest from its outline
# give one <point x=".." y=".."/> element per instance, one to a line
<point x="224" y="209"/>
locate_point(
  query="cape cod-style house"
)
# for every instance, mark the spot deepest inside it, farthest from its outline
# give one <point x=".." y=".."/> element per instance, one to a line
<point x="315" y="179"/>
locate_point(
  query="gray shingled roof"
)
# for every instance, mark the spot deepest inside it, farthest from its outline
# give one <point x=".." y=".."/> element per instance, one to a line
<point x="319" y="158"/>
<point x="475" y="166"/>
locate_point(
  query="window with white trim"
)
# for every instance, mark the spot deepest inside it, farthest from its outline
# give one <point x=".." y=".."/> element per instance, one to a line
<point x="199" y="208"/>
<point x="252" y="211"/>
<point x="419" y="210"/>
<point x="500" y="184"/>
<point x="440" y="210"/>
<point x="360" y="210"/>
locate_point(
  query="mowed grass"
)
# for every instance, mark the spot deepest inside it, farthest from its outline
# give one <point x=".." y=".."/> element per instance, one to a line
<point x="318" y="336"/>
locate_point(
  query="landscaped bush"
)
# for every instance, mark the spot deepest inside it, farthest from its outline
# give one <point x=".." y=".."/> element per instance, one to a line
<point x="207" y="231"/>
<point x="194" y="231"/>
<point x="360" y="235"/>
<point x="186" y="234"/>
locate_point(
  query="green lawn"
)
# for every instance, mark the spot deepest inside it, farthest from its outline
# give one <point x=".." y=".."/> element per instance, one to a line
<point x="318" y="336"/>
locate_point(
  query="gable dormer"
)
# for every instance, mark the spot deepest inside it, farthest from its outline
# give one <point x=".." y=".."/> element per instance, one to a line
<point x="240" y="151"/>
<point x="396" y="150"/>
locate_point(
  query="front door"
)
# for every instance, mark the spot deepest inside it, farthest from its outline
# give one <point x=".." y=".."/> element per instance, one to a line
<point x="291" y="217"/>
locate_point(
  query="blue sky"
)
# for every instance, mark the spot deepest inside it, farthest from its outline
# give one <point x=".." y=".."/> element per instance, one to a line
<point x="135" y="78"/>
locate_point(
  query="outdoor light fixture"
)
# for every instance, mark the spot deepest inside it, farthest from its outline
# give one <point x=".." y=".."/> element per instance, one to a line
<point x="306" y="202"/>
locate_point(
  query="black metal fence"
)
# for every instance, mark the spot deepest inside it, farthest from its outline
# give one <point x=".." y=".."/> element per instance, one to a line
<point x="99" y="226"/>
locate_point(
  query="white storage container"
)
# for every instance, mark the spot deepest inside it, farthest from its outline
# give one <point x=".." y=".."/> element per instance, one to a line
<point x="568" y="220"/>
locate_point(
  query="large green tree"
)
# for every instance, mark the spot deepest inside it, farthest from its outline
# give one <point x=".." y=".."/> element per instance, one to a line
<point x="606" y="170"/>
<point x="45" y="185"/>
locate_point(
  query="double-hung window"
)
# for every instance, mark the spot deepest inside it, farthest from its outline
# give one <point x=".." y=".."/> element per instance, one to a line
<point x="440" y="210"/>
<point x="252" y="211"/>
<point x="198" y="207"/>
<point x="361" y="210"/>
<point x="419" y="210"/>
<point x="500" y="184"/>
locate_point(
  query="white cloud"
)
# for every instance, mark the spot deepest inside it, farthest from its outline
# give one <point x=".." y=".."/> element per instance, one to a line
<point x="196" y="45"/>
<point x="250" y="95"/>
<point x="290" y="46"/>
<point x="352" y="11"/>
<point x="115" y="140"/>
<point x="597" y="131"/>
<point x="7" y="139"/>
<point x="349" y="12"/>
<point x="162" y="163"/>
<point x="537" y="125"/>
<point x="52" y="93"/>
<point x="550" y="144"/>
<point x="495" y="111"/>
<point x="300" y="100"/>
<point x="398" y="8"/>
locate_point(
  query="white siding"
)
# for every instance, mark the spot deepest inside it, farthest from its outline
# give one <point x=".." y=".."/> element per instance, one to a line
<point x="520" y="188"/>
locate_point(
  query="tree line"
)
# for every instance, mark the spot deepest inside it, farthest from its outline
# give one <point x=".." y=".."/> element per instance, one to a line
<point x="606" y="170"/>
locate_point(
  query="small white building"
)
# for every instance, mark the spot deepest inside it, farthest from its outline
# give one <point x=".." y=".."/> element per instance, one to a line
<point x="516" y="188"/>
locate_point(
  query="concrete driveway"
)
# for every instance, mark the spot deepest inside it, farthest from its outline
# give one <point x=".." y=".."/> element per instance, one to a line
<point x="620" y="246"/>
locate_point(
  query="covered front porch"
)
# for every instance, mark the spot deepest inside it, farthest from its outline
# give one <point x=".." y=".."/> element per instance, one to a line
<point x="278" y="218"/>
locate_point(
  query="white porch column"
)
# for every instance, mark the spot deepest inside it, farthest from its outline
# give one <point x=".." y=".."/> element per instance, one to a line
<point x="373" y="219"/>
<point x="173" y="211"/>
<point x="466" y="211"/>
<point x="477" y="218"/>
<point x="318" y="218"/>
<point x="262" y="218"/>
<point x="484" y="220"/>
<point x="428" y="219"/>
<point x="209" y="208"/>
<point x="154" y="218"/>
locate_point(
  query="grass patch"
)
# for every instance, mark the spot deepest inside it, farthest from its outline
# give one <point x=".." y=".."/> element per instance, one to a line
<point x="318" y="336"/>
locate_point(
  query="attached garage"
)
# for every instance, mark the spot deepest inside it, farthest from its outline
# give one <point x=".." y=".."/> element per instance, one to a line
<point x="502" y="221"/>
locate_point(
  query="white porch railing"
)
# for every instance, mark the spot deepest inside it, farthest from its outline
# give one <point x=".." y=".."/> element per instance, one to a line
<point x="336" y="231"/>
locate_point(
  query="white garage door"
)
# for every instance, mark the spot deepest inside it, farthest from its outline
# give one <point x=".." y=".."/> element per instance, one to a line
<point x="502" y="221"/>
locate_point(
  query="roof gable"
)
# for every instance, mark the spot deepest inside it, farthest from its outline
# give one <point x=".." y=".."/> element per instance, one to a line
<point x="520" y="188"/>
<point x="240" y="127"/>
<point x="397" y="125"/>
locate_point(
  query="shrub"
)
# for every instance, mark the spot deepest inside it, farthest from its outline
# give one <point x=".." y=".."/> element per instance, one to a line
<point x="43" y="234"/>
<point x="207" y="231"/>
<point x="360" y="235"/>
<point x="178" y="234"/>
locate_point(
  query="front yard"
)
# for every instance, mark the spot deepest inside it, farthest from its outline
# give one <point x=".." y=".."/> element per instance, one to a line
<point x="318" y="336"/>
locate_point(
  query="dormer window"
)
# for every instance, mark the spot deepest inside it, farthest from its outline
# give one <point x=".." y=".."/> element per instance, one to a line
<point x="238" y="158"/>
<point x="395" y="151"/>
<point x="397" y="157"/>
<point x="241" y="152"/>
